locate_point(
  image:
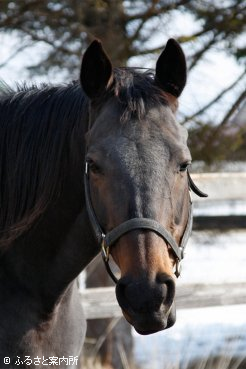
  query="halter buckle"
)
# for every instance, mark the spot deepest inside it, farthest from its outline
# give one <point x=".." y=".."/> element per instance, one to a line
<point x="104" y="249"/>
<point x="178" y="268"/>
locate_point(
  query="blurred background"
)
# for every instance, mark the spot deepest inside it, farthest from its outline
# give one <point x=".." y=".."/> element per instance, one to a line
<point x="42" y="41"/>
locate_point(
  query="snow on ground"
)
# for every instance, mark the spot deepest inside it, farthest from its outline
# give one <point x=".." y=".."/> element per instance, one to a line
<point x="215" y="257"/>
<point x="198" y="333"/>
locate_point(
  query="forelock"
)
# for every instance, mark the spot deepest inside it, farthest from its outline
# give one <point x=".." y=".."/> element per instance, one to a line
<point x="136" y="92"/>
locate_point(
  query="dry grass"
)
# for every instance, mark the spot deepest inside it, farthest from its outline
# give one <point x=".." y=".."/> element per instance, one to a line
<point x="225" y="354"/>
<point x="91" y="364"/>
<point x="213" y="362"/>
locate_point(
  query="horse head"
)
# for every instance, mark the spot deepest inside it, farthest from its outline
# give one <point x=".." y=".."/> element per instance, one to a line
<point x="136" y="179"/>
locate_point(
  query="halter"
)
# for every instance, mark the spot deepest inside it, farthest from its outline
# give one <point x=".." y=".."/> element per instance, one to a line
<point x="108" y="240"/>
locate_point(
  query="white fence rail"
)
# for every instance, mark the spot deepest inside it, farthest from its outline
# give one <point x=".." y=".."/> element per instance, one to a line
<point x="221" y="186"/>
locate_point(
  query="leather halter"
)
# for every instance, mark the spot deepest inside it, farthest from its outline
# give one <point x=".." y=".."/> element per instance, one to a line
<point x="108" y="240"/>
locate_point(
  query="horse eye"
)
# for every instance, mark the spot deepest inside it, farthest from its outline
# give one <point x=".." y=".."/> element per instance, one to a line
<point x="184" y="166"/>
<point x="94" y="168"/>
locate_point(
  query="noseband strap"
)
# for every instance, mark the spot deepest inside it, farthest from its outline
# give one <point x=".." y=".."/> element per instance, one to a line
<point x="146" y="224"/>
<point x="107" y="240"/>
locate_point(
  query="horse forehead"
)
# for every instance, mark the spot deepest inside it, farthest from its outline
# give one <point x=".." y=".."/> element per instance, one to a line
<point x="157" y="132"/>
<point x="159" y="119"/>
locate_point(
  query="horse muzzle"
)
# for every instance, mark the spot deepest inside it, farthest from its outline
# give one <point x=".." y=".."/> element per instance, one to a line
<point x="147" y="305"/>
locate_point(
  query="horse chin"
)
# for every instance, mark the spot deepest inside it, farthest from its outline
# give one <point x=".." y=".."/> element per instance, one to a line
<point x="146" y="324"/>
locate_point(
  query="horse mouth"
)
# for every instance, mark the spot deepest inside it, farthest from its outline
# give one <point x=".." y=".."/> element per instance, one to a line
<point x="146" y="333"/>
<point x="146" y="324"/>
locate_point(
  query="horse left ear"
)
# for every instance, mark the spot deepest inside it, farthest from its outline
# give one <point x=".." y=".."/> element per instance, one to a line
<point x="171" y="69"/>
<point x="96" y="70"/>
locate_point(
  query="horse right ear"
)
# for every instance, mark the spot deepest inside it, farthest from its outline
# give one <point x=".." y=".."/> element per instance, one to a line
<point x="171" y="69"/>
<point x="96" y="70"/>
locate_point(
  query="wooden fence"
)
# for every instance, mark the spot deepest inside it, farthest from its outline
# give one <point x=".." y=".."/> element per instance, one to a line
<point x="221" y="186"/>
<point x="101" y="303"/>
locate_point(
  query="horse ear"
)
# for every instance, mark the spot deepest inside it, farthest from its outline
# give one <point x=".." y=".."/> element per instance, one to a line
<point x="96" y="70"/>
<point x="171" y="69"/>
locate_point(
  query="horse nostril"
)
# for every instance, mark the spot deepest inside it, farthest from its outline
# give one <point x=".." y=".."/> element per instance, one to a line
<point x="121" y="293"/>
<point x="169" y="283"/>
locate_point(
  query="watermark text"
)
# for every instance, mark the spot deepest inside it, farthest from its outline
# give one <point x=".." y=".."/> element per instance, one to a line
<point x="44" y="361"/>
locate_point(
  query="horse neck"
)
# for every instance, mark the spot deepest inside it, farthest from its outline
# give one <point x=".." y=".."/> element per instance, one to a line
<point x="42" y="265"/>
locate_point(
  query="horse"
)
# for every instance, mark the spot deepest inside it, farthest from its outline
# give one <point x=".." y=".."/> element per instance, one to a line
<point x="98" y="164"/>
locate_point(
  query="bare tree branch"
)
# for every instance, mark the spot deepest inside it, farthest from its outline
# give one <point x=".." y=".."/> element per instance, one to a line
<point x="16" y="52"/>
<point x="35" y="37"/>
<point x="233" y="109"/>
<point x="155" y="10"/>
<point x="154" y="50"/>
<point x="212" y="102"/>
<point x="199" y="54"/>
<point x="137" y="31"/>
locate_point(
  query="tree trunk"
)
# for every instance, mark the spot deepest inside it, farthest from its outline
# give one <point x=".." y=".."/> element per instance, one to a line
<point x="106" y="21"/>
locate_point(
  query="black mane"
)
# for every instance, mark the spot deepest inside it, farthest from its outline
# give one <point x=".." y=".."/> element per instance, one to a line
<point x="36" y="129"/>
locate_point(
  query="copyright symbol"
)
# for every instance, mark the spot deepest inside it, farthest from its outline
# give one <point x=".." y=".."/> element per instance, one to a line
<point x="6" y="360"/>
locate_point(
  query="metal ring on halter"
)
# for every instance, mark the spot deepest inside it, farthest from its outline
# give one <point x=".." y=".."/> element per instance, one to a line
<point x="105" y="249"/>
<point x="178" y="268"/>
